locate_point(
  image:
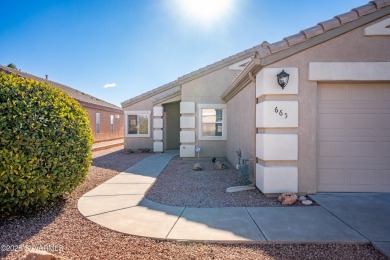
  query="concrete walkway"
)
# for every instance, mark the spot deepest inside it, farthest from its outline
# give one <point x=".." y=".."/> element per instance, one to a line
<point x="119" y="204"/>
<point x="107" y="144"/>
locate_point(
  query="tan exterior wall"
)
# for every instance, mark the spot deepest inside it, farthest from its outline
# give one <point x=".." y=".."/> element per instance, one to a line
<point x="241" y="125"/>
<point x="208" y="90"/>
<point x="105" y="128"/>
<point x="350" y="47"/>
<point x="144" y="105"/>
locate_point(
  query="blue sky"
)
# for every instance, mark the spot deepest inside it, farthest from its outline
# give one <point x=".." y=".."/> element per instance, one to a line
<point x="137" y="45"/>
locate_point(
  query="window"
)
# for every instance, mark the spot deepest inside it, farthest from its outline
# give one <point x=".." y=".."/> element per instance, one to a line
<point x="138" y="123"/>
<point x="112" y="123"/>
<point x="212" y="122"/>
<point x="97" y="123"/>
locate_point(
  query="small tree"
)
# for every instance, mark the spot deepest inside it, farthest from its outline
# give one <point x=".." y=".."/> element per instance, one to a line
<point x="12" y="66"/>
<point x="45" y="143"/>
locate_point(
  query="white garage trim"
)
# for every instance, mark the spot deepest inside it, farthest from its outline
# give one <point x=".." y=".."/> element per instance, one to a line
<point x="349" y="71"/>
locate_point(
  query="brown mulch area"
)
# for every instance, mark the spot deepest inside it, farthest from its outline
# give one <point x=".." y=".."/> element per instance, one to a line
<point x="63" y="228"/>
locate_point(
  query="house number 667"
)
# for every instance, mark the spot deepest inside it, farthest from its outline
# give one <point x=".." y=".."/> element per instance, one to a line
<point x="280" y="112"/>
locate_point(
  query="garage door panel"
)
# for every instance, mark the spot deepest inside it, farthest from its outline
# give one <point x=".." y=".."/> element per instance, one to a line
<point x="384" y="178"/>
<point x="332" y="94"/>
<point x="363" y="94"/>
<point x="332" y="121"/>
<point x="331" y="149"/>
<point x="361" y="177"/>
<point x="385" y="94"/>
<point x="353" y="138"/>
<point x="331" y="177"/>
<point x="361" y="149"/>
<point x="385" y="120"/>
<point x="362" y="121"/>
<point x="384" y="149"/>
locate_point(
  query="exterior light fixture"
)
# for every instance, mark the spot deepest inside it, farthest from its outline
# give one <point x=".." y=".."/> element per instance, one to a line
<point x="283" y="79"/>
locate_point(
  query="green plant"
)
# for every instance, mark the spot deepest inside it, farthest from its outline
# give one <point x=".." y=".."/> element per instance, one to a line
<point x="45" y="144"/>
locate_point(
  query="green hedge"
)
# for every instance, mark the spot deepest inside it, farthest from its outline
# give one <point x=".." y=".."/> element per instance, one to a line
<point x="45" y="144"/>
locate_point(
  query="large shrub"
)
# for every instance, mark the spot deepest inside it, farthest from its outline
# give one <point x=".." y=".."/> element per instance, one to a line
<point x="45" y="143"/>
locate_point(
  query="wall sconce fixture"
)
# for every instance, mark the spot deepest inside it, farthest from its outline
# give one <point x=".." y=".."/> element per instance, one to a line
<point x="283" y="78"/>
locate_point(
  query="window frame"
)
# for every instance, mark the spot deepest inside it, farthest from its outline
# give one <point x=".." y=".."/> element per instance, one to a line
<point x="97" y="123"/>
<point x="112" y="123"/>
<point x="137" y="113"/>
<point x="223" y="107"/>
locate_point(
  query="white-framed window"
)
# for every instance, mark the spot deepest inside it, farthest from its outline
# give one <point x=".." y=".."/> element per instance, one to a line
<point x="97" y="123"/>
<point x="138" y="123"/>
<point x="212" y="122"/>
<point x="112" y="123"/>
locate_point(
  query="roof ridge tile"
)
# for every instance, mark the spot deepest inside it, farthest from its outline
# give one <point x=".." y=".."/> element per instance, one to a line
<point x="347" y="17"/>
<point x="278" y="46"/>
<point x="365" y="9"/>
<point x="330" y="24"/>
<point x="264" y="52"/>
<point x="295" y="39"/>
<point x="381" y="3"/>
<point x="312" y="31"/>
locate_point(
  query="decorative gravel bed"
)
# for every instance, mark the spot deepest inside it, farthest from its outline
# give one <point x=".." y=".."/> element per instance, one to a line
<point x="64" y="231"/>
<point x="180" y="185"/>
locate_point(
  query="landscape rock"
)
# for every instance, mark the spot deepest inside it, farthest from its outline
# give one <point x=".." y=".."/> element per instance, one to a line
<point x="307" y="202"/>
<point x="302" y="198"/>
<point x="40" y="255"/>
<point x="197" y="167"/>
<point x="288" y="198"/>
<point x="219" y="165"/>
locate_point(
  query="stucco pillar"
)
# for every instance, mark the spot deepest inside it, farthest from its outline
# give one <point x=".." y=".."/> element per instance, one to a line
<point x="158" y="125"/>
<point x="276" y="142"/>
<point x="187" y="133"/>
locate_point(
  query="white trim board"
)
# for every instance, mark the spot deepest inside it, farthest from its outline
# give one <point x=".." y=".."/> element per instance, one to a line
<point x="381" y="28"/>
<point x="349" y="71"/>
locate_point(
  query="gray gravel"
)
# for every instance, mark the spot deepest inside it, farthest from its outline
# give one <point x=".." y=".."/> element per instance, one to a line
<point x="179" y="185"/>
<point x="63" y="228"/>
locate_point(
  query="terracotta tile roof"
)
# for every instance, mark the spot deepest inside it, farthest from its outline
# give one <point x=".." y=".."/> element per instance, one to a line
<point x="78" y="95"/>
<point x="265" y="49"/>
<point x="305" y="36"/>
<point x="193" y="75"/>
<point x="322" y="27"/>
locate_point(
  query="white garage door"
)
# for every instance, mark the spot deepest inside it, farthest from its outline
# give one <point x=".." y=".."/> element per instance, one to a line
<point x="353" y="137"/>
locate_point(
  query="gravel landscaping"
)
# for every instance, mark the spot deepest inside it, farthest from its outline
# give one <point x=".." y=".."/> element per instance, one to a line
<point x="64" y="231"/>
<point x="180" y="185"/>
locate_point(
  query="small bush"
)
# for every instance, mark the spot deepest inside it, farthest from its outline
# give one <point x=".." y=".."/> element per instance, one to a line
<point x="45" y="144"/>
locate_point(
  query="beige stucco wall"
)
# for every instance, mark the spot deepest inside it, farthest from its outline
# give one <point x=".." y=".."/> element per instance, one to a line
<point x="208" y="90"/>
<point x="204" y="90"/>
<point x="241" y="125"/>
<point x="350" y="47"/>
<point x="144" y="105"/>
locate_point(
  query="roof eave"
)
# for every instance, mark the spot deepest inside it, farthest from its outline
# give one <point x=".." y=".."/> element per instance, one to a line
<point x="237" y="84"/>
<point x="190" y="77"/>
<point x="241" y="81"/>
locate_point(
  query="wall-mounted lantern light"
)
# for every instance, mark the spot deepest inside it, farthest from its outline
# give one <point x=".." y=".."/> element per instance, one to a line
<point x="283" y="78"/>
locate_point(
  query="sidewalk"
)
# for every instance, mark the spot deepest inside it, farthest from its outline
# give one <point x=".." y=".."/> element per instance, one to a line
<point x="119" y="204"/>
<point x="107" y="144"/>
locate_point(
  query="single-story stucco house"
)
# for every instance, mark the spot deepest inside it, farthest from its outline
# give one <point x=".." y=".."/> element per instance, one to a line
<point x="312" y="110"/>
<point x="106" y="119"/>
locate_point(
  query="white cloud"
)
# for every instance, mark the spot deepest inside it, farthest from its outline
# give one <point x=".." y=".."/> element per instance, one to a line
<point x="110" y="85"/>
